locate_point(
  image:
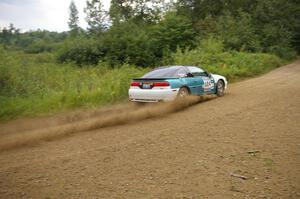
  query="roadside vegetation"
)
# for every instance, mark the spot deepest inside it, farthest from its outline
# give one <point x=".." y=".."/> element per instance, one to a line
<point x="44" y="72"/>
<point x="34" y="84"/>
<point x="234" y="65"/>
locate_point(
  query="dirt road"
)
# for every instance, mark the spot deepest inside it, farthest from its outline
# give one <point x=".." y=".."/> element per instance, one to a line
<point x="243" y="145"/>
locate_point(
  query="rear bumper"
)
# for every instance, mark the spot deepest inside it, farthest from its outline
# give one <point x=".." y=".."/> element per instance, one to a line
<point x="152" y="95"/>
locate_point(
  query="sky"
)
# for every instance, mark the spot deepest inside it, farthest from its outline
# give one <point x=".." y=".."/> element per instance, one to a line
<point x="49" y="15"/>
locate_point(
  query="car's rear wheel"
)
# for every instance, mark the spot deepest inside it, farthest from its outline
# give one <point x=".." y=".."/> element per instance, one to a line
<point x="183" y="93"/>
<point x="220" y="88"/>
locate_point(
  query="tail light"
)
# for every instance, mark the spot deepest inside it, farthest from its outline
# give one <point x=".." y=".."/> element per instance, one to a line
<point x="161" y="84"/>
<point x="135" y="84"/>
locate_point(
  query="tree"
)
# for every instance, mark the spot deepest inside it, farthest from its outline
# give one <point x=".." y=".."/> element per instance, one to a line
<point x="96" y="16"/>
<point x="73" y="19"/>
<point x="200" y="9"/>
<point x="5" y="36"/>
<point x="140" y="10"/>
<point x="237" y="33"/>
<point x="9" y="35"/>
<point x="172" y="32"/>
<point x="147" y="10"/>
<point x="128" y="43"/>
<point x="119" y="11"/>
<point x="277" y="28"/>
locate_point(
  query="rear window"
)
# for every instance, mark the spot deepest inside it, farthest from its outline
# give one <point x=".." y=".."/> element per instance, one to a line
<point x="172" y="72"/>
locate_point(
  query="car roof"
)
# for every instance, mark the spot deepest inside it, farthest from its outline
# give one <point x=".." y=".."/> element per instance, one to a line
<point x="174" y="66"/>
<point x="162" y="67"/>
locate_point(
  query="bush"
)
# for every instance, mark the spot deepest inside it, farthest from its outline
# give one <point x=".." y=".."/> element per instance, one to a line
<point x="40" y="47"/>
<point x="232" y="64"/>
<point x="128" y="43"/>
<point x="79" y="51"/>
<point x="172" y="32"/>
<point x="237" y="33"/>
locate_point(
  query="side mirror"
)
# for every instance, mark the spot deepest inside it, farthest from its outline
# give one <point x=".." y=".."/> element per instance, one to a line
<point x="189" y="75"/>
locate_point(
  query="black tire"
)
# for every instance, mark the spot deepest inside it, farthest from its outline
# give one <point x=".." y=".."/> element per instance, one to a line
<point x="220" y="87"/>
<point x="183" y="93"/>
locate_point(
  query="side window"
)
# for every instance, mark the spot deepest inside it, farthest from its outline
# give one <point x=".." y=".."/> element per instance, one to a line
<point x="181" y="72"/>
<point x="197" y="71"/>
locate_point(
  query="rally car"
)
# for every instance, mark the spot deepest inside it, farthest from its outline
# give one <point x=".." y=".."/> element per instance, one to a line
<point x="171" y="82"/>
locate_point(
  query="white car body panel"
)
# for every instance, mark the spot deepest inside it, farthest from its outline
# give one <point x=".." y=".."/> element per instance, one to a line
<point x="155" y="94"/>
<point x="218" y="77"/>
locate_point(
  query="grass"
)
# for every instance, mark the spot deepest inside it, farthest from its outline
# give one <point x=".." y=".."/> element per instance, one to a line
<point x="35" y="84"/>
<point x="29" y="86"/>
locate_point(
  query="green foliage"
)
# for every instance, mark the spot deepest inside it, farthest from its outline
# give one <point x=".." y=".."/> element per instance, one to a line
<point x="132" y="43"/>
<point x="138" y="10"/>
<point x="79" y="51"/>
<point x="145" y="32"/>
<point x="256" y="26"/>
<point x="232" y="64"/>
<point x="30" y="86"/>
<point x="277" y="25"/>
<point x="144" y="45"/>
<point x="7" y="35"/>
<point x="40" y="46"/>
<point x="95" y="16"/>
<point x="33" y="84"/>
<point x="33" y="41"/>
<point x="132" y="47"/>
<point x="119" y="11"/>
<point x="73" y="19"/>
<point x="196" y="9"/>
<point x="172" y="32"/>
<point x="237" y="32"/>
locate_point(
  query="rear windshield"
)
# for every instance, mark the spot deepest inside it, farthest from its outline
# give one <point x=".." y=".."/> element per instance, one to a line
<point x="167" y="72"/>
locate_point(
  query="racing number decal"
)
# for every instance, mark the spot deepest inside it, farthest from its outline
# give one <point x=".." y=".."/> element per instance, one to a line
<point x="208" y="84"/>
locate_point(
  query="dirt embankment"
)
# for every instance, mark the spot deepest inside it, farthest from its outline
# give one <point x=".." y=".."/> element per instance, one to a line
<point x="243" y="145"/>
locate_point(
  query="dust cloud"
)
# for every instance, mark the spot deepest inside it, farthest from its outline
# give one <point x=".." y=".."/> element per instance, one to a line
<point x="82" y="122"/>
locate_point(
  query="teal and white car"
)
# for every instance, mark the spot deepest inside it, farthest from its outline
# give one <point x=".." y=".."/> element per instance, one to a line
<point x="169" y="83"/>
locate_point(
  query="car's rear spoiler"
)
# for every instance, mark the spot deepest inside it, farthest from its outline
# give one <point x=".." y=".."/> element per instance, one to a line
<point x="153" y="79"/>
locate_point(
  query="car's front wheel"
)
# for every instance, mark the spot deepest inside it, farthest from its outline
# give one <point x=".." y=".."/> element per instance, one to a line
<point x="220" y="88"/>
<point x="183" y="93"/>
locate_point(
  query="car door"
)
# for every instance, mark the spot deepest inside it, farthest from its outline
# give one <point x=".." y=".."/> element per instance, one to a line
<point x="208" y="83"/>
<point x="205" y="83"/>
<point x="195" y="84"/>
